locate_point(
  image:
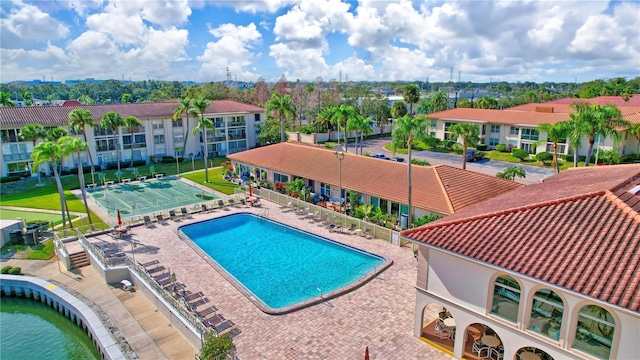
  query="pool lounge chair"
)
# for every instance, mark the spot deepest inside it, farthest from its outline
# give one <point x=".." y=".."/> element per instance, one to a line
<point x="206" y="312"/>
<point x="184" y="213"/>
<point x="220" y="203"/>
<point x="160" y="218"/>
<point x="147" y="221"/>
<point x="173" y="216"/>
<point x="234" y="332"/>
<point x="214" y="320"/>
<point x="322" y="220"/>
<point x="224" y="327"/>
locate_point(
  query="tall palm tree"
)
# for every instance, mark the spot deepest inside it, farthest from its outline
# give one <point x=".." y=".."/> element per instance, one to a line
<point x="341" y="116"/>
<point x="283" y="108"/>
<point x="411" y="95"/>
<point x="33" y="132"/>
<point x="600" y="120"/>
<point x="55" y="134"/>
<point x="132" y="123"/>
<point x="470" y="135"/>
<point x="486" y="102"/>
<point x="5" y="99"/>
<point x="198" y="108"/>
<point x="79" y="119"/>
<point x="27" y="98"/>
<point x="185" y="105"/>
<point x="409" y="129"/>
<point x="112" y="120"/>
<point x="49" y="152"/>
<point x="440" y="101"/>
<point x="362" y="125"/>
<point x="324" y="119"/>
<point x="555" y="134"/>
<point x="70" y="145"/>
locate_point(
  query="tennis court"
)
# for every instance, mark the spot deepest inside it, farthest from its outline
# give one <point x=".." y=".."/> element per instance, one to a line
<point x="142" y="197"/>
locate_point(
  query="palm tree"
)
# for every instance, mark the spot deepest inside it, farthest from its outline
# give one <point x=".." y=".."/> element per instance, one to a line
<point x="54" y="134"/>
<point x="409" y="129"/>
<point x="486" y="102"/>
<point x="470" y="135"/>
<point x="324" y="119"/>
<point x="635" y="131"/>
<point x="555" y="134"/>
<point x="198" y="108"/>
<point x="440" y="101"/>
<point x="398" y="109"/>
<point x="341" y="116"/>
<point x="362" y="125"/>
<point x="511" y="172"/>
<point x="33" y="132"/>
<point x="49" y="152"/>
<point x="132" y="123"/>
<point x="185" y="105"/>
<point x="283" y="108"/>
<point x="411" y="95"/>
<point x="78" y="120"/>
<point x="112" y="120"/>
<point x="5" y="99"/>
<point x="600" y="120"/>
<point x="26" y="97"/>
<point x="70" y="145"/>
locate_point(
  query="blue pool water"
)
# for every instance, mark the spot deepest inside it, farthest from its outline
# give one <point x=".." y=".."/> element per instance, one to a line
<point x="280" y="265"/>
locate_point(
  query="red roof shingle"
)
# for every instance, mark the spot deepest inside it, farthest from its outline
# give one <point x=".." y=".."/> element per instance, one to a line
<point x="579" y="230"/>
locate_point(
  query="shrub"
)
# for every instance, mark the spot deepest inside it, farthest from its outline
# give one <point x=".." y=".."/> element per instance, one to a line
<point x="280" y="187"/>
<point x="433" y="142"/>
<point x="425" y="219"/>
<point x="519" y="154"/>
<point x="630" y="158"/>
<point x="501" y="147"/>
<point x="420" y="162"/>
<point x="10" y="178"/>
<point x="6" y="269"/>
<point x="449" y="144"/>
<point x="214" y="346"/>
<point x="481" y="147"/>
<point x="544" y="157"/>
<point x="15" y="271"/>
<point x="308" y="129"/>
<point x="168" y="159"/>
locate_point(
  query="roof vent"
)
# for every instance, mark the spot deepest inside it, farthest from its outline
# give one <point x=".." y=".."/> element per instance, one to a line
<point x="635" y="190"/>
<point x="544" y="109"/>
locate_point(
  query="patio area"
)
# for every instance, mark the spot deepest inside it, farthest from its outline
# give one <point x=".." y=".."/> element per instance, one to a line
<point x="378" y="315"/>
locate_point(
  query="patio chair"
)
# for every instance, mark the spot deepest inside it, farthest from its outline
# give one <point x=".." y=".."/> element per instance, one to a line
<point x="206" y="312"/>
<point x="160" y="218"/>
<point x="214" y="320"/>
<point x="323" y="219"/>
<point x="234" y="332"/>
<point x="482" y="350"/>
<point x="147" y="221"/>
<point x="315" y="214"/>
<point x="352" y="228"/>
<point x="220" y="203"/>
<point x="184" y="213"/>
<point x="201" y="301"/>
<point x="173" y="216"/>
<point x="225" y="326"/>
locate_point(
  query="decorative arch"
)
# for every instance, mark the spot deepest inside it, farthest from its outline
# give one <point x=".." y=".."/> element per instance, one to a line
<point x="506" y="297"/>
<point x="546" y="313"/>
<point x="595" y="330"/>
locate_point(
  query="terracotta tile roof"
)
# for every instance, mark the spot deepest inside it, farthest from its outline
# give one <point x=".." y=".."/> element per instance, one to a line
<point x="566" y="108"/>
<point x="579" y="230"/>
<point x="508" y="116"/>
<point x="440" y="189"/>
<point x="616" y="100"/>
<point x="59" y="115"/>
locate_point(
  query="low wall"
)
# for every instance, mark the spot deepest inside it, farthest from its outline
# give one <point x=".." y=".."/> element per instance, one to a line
<point x="67" y="304"/>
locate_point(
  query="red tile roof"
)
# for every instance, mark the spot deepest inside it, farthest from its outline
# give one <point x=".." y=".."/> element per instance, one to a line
<point x="566" y="108"/>
<point x="616" y="100"/>
<point x="579" y="230"/>
<point x="440" y="189"/>
<point x="59" y="115"/>
<point x="508" y="116"/>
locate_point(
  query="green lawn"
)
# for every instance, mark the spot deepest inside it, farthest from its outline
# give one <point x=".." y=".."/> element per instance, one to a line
<point x="7" y="214"/>
<point x="216" y="181"/>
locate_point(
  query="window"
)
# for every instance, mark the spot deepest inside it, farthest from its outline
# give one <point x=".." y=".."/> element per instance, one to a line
<point x="280" y="177"/>
<point x="158" y="124"/>
<point x="514" y="131"/>
<point x="158" y="139"/>
<point x="177" y="123"/>
<point x="100" y="131"/>
<point x="312" y="184"/>
<point x="374" y="201"/>
<point x="506" y="298"/>
<point x="494" y="141"/>
<point x="561" y="148"/>
<point x="594" y="333"/>
<point x="178" y="137"/>
<point x="495" y="129"/>
<point x="546" y="314"/>
<point x="256" y="117"/>
<point x="384" y="206"/>
<point x="530" y="148"/>
<point x="484" y="130"/>
<point x="325" y="189"/>
<point x="530" y="134"/>
<point x="10" y="135"/>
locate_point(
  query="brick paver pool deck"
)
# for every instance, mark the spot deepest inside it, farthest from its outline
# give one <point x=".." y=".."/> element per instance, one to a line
<point x="378" y="315"/>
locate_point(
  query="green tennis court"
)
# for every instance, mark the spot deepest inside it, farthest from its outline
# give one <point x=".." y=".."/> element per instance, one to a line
<point x="143" y="197"/>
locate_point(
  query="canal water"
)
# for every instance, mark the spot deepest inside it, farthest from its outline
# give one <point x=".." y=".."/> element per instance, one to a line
<point x="33" y="330"/>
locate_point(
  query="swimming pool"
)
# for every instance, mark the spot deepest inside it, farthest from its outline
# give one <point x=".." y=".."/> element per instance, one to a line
<point x="279" y="268"/>
<point x="142" y="197"/>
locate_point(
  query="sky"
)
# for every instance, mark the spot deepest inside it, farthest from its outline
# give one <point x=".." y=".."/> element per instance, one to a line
<point x="376" y="40"/>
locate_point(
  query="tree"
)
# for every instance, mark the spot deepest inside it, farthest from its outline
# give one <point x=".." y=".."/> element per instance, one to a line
<point x="409" y="129"/>
<point x="214" y="346"/>
<point x="398" y="109"/>
<point x="185" y="105"/>
<point x="470" y="135"/>
<point x="362" y="125"/>
<point x="635" y="131"/>
<point x="126" y="98"/>
<point x="269" y="132"/>
<point x="324" y="120"/>
<point x="132" y="123"/>
<point x="5" y="99"/>
<point x="27" y="98"/>
<point x="86" y="100"/>
<point x="486" y="102"/>
<point x="283" y="108"/>
<point x="440" y="101"/>
<point x="78" y="120"/>
<point x="511" y="172"/>
<point x="70" y="145"/>
<point x="112" y="120"/>
<point x="555" y="134"/>
<point x="519" y="154"/>
<point x="340" y="117"/>
<point x="198" y="109"/>
<point x="33" y="133"/>
<point x="49" y="152"/>
<point x="411" y="95"/>
<point x="54" y="134"/>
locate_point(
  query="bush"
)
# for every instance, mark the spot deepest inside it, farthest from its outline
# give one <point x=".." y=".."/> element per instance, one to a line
<point x="168" y="159"/>
<point x="449" y="144"/>
<point x="308" y="129"/>
<point x="544" y="157"/>
<point x="10" y="178"/>
<point x="481" y="147"/>
<point x="5" y="269"/>
<point x="214" y="346"/>
<point x="15" y="271"/>
<point x="420" y="162"/>
<point x="433" y="142"/>
<point x="425" y="219"/>
<point x="519" y="154"/>
<point x="501" y="147"/>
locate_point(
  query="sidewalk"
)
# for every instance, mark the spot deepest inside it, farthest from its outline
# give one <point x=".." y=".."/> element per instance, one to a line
<point x="137" y="324"/>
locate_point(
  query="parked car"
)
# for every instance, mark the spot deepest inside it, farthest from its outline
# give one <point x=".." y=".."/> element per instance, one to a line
<point x="398" y="159"/>
<point x="378" y="156"/>
<point x="474" y="155"/>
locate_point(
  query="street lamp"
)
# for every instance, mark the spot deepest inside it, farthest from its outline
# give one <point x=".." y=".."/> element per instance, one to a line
<point x="340" y="157"/>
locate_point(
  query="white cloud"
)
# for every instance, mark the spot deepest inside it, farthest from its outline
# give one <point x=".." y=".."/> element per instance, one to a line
<point x="253" y="6"/>
<point x="166" y="12"/>
<point x="28" y="23"/>
<point x="233" y="49"/>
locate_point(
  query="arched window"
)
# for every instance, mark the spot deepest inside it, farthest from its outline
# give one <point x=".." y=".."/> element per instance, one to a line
<point x="506" y="298"/>
<point x="546" y="313"/>
<point x="594" y="333"/>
